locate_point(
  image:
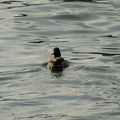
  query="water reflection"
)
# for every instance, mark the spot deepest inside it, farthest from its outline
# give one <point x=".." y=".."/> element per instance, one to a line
<point x="57" y="73"/>
<point x="87" y="33"/>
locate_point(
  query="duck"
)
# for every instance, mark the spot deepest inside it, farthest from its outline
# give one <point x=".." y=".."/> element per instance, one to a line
<point x="58" y="62"/>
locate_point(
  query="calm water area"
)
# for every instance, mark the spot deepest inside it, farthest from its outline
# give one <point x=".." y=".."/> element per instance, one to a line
<point x="88" y="34"/>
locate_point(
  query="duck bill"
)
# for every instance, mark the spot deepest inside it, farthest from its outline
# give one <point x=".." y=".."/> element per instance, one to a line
<point x="52" y="53"/>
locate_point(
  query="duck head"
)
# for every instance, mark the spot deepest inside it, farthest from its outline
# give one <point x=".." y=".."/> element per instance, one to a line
<point x="56" y="52"/>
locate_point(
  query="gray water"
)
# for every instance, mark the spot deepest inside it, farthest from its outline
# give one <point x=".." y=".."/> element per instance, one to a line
<point x="88" y="34"/>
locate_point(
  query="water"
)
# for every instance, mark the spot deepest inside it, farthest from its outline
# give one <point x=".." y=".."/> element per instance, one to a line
<point x="87" y="34"/>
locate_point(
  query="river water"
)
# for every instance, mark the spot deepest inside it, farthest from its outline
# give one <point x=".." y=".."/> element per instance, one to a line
<point x="88" y="34"/>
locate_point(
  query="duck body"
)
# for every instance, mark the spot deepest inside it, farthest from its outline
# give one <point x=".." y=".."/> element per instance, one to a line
<point x="58" y="62"/>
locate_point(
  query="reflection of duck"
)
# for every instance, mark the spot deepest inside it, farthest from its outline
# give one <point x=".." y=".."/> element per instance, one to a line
<point x="57" y="63"/>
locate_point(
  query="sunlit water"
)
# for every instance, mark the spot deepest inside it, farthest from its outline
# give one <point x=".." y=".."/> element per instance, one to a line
<point x="88" y="34"/>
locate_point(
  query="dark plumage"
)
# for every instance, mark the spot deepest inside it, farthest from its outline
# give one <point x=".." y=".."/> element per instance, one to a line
<point x="57" y="62"/>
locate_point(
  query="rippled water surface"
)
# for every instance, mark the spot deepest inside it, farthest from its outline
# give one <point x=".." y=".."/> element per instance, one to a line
<point x="88" y="34"/>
